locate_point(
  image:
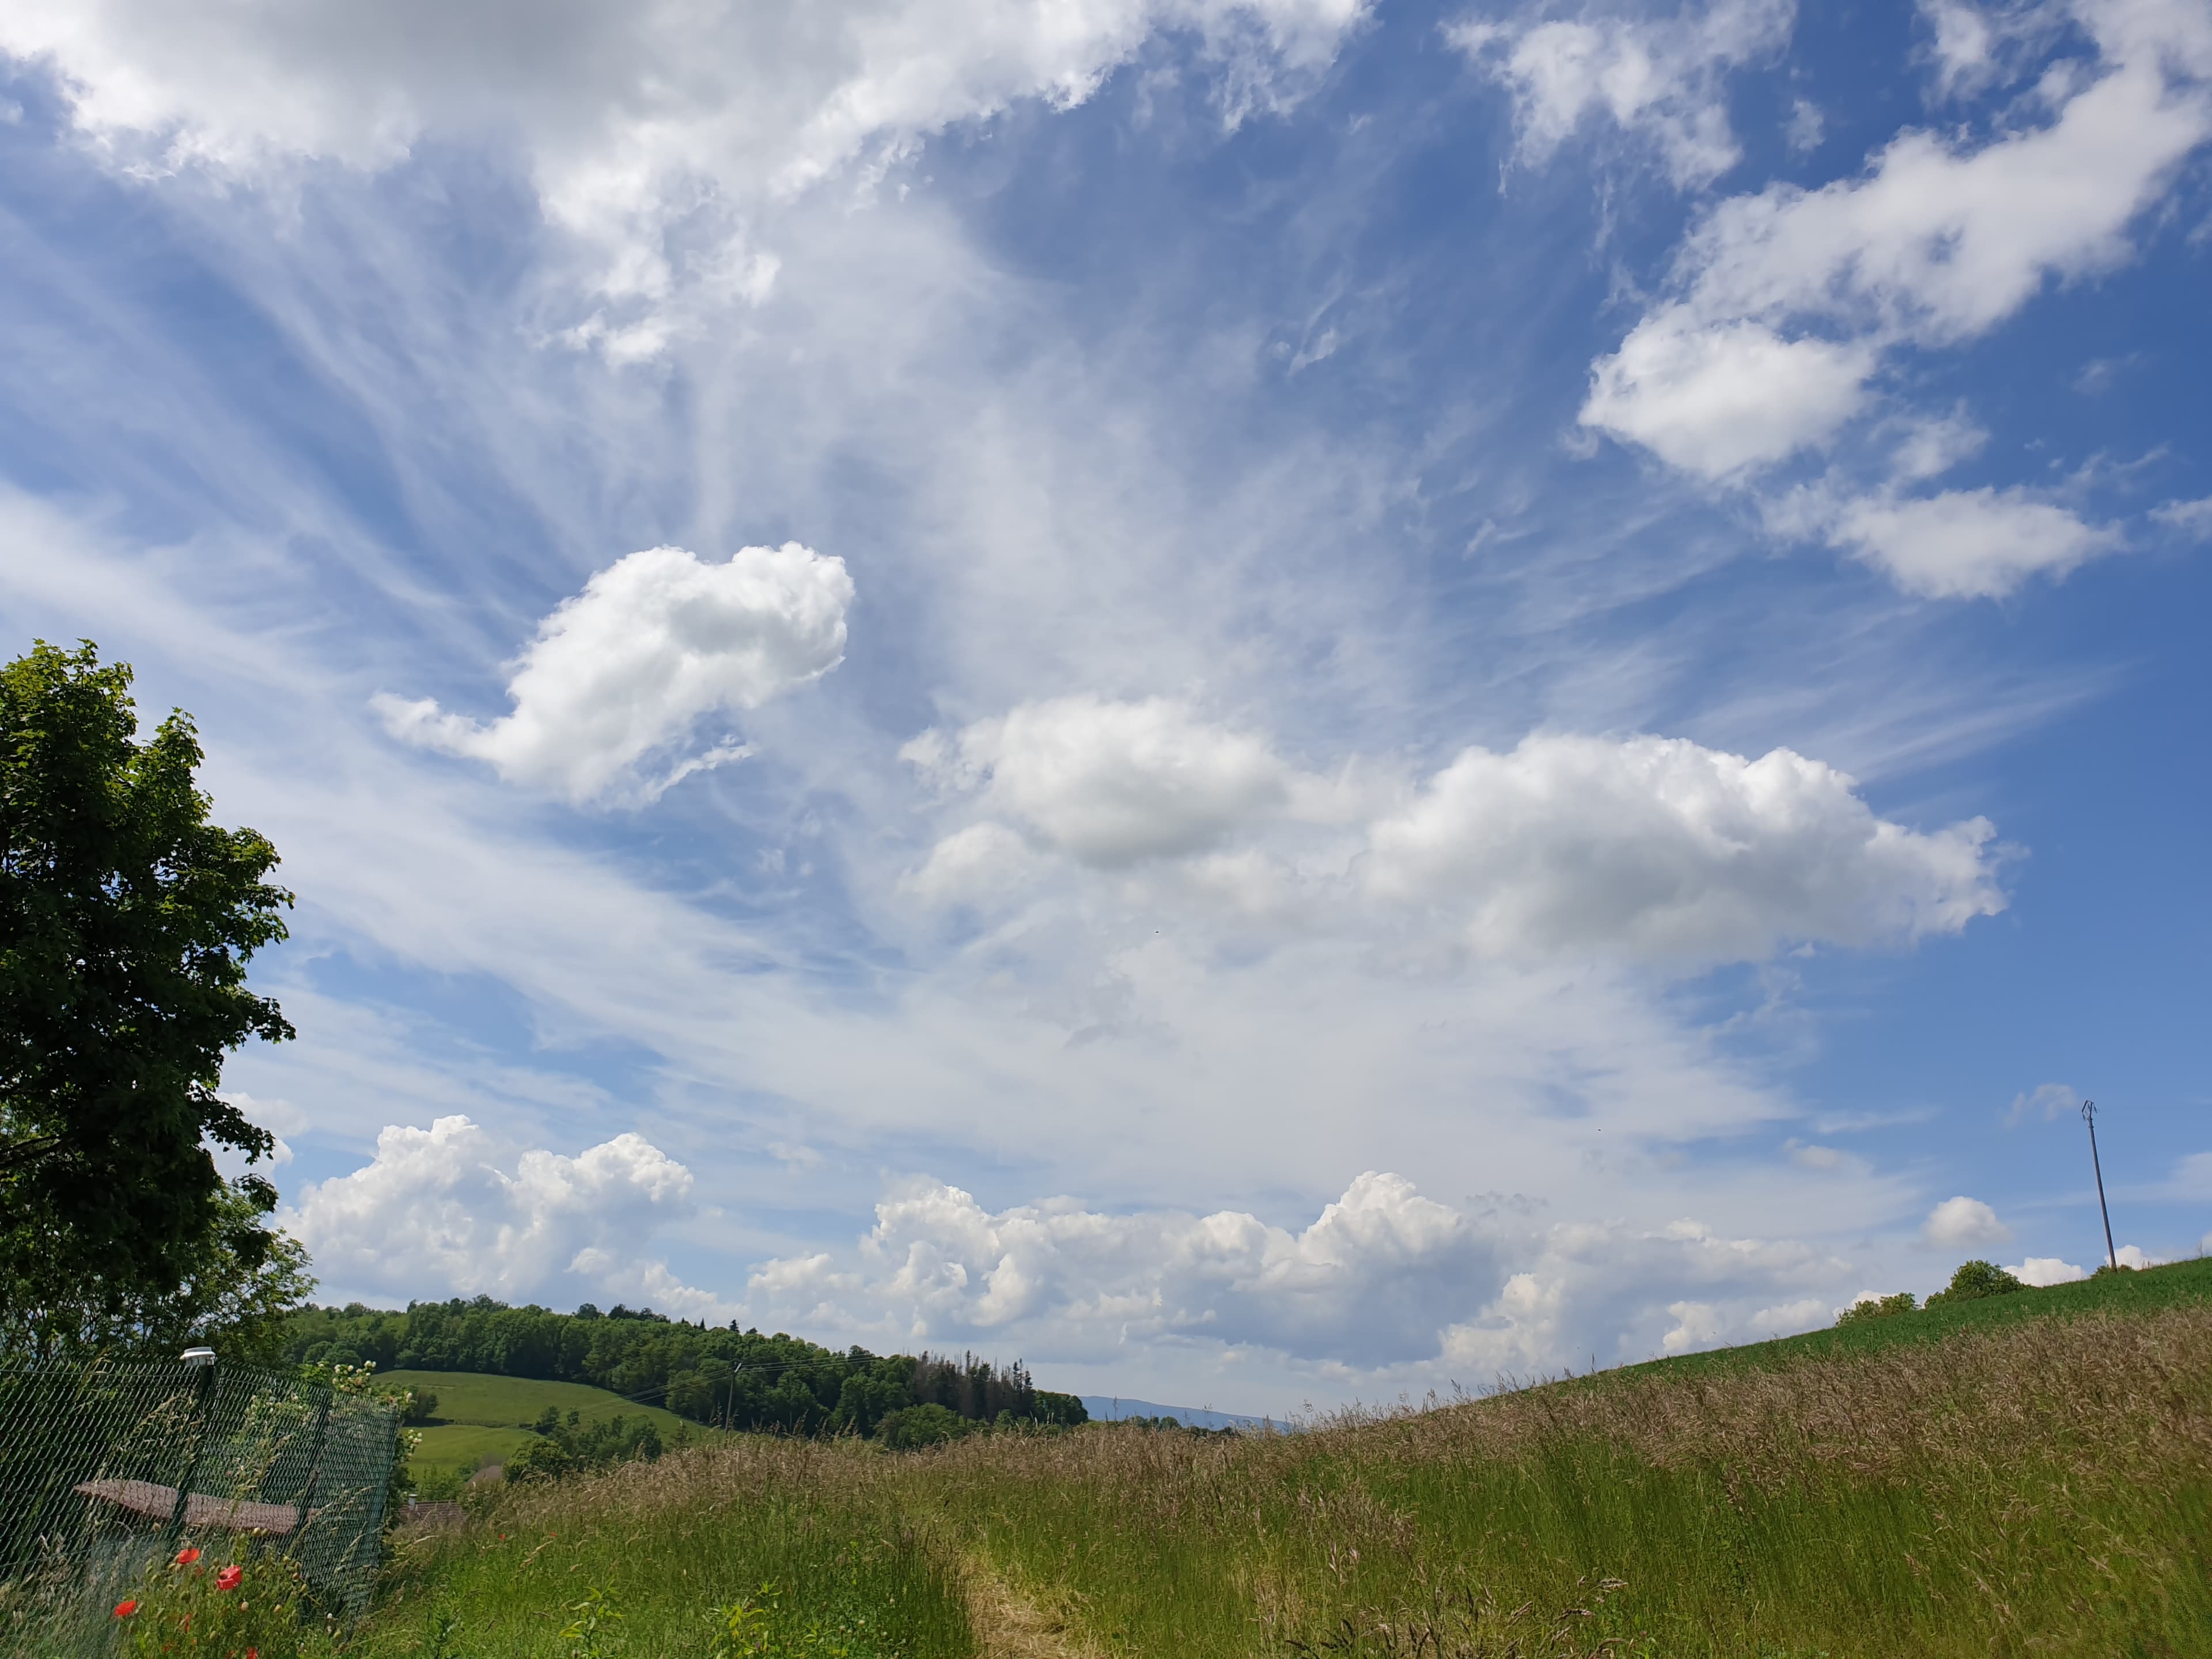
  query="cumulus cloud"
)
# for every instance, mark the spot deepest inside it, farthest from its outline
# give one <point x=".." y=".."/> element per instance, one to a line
<point x="1657" y="78"/>
<point x="2041" y="1270"/>
<point x="1646" y="846"/>
<point x="1784" y="304"/>
<point x="610" y="694"/>
<point x="1110" y="783"/>
<point x="1963" y="1223"/>
<point x="651" y="132"/>
<point x="1968" y="543"/>
<point x="1661" y="847"/>
<point x="1720" y="399"/>
<point x="1383" y="1276"/>
<point x="450" y="1209"/>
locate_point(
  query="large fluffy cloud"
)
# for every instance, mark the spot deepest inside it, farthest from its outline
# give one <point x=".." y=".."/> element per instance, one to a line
<point x="1660" y="847"/>
<point x="435" y="1211"/>
<point x="1111" y="783"/>
<point x="608" y="695"/>
<point x="651" y="131"/>
<point x="1384" y="1279"/>
<point x="1658" y="77"/>
<point x="1566" y="844"/>
<point x="1964" y="1223"/>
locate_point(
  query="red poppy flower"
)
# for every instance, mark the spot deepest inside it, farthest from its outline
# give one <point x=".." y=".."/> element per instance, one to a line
<point x="229" y="1579"/>
<point x="186" y="1557"/>
<point x="124" y="1609"/>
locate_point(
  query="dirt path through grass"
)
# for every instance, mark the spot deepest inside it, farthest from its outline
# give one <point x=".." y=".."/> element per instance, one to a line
<point x="1010" y="1626"/>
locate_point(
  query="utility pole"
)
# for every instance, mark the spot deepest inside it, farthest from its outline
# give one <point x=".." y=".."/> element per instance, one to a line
<point x="2089" y="1117"/>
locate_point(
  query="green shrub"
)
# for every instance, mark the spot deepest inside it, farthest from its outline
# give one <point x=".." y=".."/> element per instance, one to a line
<point x="1976" y="1280"/>
<point x="920" y="1425"/>
<point x="1878" y="1308"/>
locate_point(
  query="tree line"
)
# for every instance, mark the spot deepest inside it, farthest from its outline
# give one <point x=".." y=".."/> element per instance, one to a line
<point x="719" y="1376"/>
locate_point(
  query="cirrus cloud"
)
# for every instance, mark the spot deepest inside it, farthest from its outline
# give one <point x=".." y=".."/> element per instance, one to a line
<point x="653" y="134"/>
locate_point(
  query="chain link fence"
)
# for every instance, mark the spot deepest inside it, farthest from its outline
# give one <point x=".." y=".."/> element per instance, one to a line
<point x="107" y="1468"/>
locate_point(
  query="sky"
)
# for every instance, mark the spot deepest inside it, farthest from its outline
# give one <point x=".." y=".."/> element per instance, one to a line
<point x="1271" y="702"/>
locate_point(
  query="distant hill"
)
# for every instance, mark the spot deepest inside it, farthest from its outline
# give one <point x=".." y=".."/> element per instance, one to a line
<point x="1106" y="1409"/>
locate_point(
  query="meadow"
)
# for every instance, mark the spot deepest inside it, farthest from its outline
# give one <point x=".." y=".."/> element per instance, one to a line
<point x="2030" y="1478"/>
<point x="482" y="1420"/>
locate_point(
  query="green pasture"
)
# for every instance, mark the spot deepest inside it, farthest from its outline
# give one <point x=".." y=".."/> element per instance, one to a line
<point x="483" y="1420"/>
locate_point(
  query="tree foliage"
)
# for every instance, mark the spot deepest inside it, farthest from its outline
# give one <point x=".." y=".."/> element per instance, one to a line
<point x="711" y="1374"/>
<point x="126" y="922"/>
<point x="1974" y="1281"/>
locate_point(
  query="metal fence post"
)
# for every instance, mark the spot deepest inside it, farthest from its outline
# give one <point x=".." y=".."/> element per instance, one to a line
<point x="202" y="1361"/>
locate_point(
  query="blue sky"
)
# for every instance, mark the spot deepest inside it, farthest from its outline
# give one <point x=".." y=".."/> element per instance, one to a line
<point x="1271" y="702"/>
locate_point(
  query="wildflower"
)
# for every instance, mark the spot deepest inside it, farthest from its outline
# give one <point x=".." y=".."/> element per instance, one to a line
<point x="124" y="1609"/>
<point x="229" y="1579"/>
<point x="186" y="1556"/>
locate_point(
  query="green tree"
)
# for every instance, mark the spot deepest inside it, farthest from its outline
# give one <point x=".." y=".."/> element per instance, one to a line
<point x="1974" y="1281"/>
<point x="126" y="922"/>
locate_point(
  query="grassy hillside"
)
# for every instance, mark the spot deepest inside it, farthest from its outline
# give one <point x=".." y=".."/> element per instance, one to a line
<point x="2176" y="1285"/>
<point x="481" y="1420"/>
<point x="1979" y="1481"/>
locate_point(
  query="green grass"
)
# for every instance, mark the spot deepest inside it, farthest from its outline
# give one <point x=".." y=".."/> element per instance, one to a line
<point x="467" y="1447"/>
<point x="2177" y="1284"/>
<point x="2030" y="1476"/>
<point x="800" y="1536"/>
<point x="516" y="1401"/>
<point x="480" y="1418"/>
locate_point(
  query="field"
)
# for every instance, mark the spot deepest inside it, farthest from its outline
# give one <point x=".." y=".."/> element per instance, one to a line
<point x="480" y="1419"/>
<point x="1995" y="1483"/>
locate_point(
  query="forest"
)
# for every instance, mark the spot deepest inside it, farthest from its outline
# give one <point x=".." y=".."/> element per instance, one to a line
<point x="714" y="1375"/>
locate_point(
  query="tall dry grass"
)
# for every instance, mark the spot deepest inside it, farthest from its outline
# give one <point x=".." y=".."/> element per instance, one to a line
<point x="2040" y="1489"/>
<point x="2045" y="1488"/>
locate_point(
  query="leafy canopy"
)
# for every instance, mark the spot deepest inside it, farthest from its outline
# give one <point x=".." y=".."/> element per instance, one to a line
<point x="126" y="922"/>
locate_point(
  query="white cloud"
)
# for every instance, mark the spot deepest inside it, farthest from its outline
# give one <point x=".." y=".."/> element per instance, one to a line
<point x="1807" y="126"/>
<point x="2191" y="1180"/>
<point x="2047" y="1101"/>
<point x="2041" y="1270"/>
<point x="1969" y="543"/>
<point x="2133" y="1255"/>
<point x="622" y="675"/>
<point x="1962" y="1224"/>
<point x="1661" y="79"/>
<point x="1698" y="1325"/>
<point x="1659" y="846"/>
<point x="2189" y="518"/>
<point x="1568" y="845"/>
<point x="1111" y="783"/>
<point x="434" y="1213"/>
<point x="650" y="132"/>
<point x="1384" y="1277"/>
<point x="1783" y="303"/>
<point x="1720" y="399"/>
